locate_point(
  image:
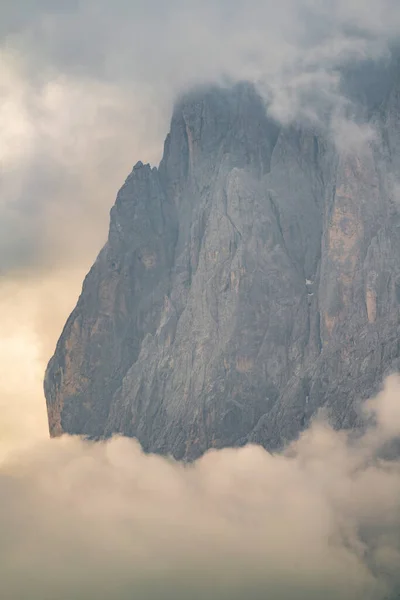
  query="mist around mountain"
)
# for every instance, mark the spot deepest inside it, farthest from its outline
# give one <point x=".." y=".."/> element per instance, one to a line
<point x="248" y="281"/>
<point x="100" y="520"/>
<point x="86" y="90"/>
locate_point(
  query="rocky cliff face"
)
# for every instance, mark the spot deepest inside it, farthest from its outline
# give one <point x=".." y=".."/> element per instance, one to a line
<point x="250" y="279"/>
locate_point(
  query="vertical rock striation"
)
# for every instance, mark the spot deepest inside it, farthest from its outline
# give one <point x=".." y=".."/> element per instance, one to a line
<point x="249" y="280"/>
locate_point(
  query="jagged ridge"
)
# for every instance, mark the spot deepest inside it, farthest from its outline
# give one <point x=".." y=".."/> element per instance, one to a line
<point x="249" y="280"/>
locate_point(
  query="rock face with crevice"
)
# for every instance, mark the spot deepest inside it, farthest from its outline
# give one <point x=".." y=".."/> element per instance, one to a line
<point x="249" y="280"/>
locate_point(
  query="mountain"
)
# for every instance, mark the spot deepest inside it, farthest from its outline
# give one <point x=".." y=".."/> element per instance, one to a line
<point x="249" y="280"/>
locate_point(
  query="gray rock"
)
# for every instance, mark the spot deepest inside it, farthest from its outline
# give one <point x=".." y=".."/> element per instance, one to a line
<point x="249" y="280"/>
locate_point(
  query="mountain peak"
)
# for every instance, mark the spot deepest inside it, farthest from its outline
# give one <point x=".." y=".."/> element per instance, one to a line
<point x="248" y="281"/>
<point x="210" y="122"/>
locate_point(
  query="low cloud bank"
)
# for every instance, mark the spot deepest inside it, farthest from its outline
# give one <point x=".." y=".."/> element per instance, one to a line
<point x="102" y="520"/>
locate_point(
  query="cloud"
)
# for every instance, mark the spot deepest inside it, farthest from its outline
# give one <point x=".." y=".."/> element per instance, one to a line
<point x="100" y="520"/>
<point x="350" y="136"/>
<point x="57" y="141"/>
<point x="86" y="90"/>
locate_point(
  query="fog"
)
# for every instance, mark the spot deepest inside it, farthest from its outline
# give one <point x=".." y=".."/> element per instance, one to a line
<point x="103" y="520"/>
<point x="86" y="90"/>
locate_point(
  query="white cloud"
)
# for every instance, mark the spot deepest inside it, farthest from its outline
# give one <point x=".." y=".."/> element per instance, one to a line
<point x="103" y="520"/>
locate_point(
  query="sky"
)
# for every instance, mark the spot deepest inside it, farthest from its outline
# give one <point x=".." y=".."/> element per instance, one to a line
<point x="86" y="90"/>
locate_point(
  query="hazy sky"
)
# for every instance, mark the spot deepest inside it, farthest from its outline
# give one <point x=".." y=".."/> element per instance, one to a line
<point x="86" y="90"/>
